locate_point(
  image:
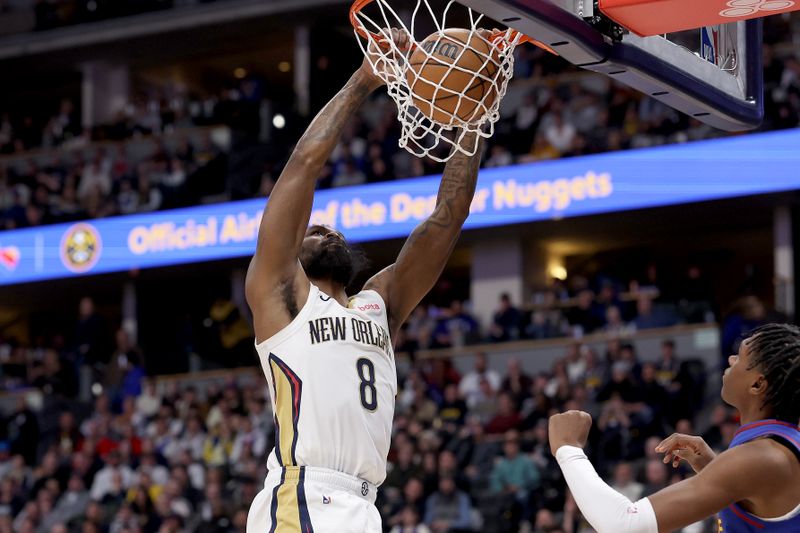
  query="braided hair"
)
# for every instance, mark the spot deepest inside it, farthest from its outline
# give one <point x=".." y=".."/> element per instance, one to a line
<point x="775" y="350"/>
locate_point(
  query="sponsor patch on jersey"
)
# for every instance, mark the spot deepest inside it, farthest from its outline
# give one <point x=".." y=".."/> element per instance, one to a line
<point x="369" y="307"/>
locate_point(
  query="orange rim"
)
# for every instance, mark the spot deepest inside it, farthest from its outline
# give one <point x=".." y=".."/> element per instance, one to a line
<point x="497" y="35"/>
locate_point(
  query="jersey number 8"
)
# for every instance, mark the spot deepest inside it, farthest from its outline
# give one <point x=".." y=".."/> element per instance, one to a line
<point x="367" y="390"/>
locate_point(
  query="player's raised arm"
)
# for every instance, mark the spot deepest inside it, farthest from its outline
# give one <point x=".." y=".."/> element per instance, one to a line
<point x="275" y="281"/>
<point x="426" y="251"/>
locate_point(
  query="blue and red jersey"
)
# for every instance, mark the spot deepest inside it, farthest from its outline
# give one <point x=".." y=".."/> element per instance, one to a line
<point x="734" y="519"/>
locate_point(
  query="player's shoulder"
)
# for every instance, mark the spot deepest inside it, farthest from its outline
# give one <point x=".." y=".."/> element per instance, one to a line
<point x="368" y="301"/>
<point x="762" y="456"/>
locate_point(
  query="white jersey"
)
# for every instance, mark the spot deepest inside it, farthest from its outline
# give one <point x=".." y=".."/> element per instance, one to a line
<point x="333" y="382"/>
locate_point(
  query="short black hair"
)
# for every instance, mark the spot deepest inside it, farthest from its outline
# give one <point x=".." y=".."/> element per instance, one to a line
<point x="775" y="350"/>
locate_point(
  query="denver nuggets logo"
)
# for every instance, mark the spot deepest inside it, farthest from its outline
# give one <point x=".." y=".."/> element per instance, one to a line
<point x="80" y="247"/>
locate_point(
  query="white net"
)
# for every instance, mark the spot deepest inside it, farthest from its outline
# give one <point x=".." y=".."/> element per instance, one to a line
<point x="447" y="82"/>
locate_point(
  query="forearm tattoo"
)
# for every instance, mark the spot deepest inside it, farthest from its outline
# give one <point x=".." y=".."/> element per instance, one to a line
<point x="322" y="135"/>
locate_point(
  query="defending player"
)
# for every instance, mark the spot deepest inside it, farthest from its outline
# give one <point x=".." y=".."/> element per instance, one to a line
<point x="754" y="485"/>
<point x="328" y="358"/>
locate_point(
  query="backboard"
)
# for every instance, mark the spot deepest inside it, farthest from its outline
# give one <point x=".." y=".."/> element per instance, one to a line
<point x="713" y="74"/>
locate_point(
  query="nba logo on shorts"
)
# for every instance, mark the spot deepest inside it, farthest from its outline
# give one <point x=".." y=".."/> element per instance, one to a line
<point x="364" y="489"/>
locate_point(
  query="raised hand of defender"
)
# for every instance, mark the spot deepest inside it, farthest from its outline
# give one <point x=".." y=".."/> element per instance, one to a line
<point x="377" y="52"/>
<point x="569" y="429"/>
<point x="689" y="448"/>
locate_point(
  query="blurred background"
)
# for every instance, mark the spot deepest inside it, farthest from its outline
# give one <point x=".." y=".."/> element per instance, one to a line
<point x="133" y="401"/>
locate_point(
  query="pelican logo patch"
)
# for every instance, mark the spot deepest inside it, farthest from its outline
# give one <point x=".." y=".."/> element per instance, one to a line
<point x="326" y="500"/>
<point x="364" y="488"/>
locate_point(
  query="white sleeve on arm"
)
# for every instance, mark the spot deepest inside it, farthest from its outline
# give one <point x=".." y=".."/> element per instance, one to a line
<point x="606" y="510"/>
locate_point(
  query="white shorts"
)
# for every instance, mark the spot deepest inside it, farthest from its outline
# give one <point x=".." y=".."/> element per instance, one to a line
<point x="304" y="500"/>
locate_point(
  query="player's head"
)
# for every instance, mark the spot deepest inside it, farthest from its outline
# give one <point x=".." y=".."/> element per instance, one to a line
<point x="767" y="370"/>
<point x="325" y="255"/>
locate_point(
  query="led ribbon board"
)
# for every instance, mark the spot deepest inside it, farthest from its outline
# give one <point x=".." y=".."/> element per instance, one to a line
<point x="636" y="179"/>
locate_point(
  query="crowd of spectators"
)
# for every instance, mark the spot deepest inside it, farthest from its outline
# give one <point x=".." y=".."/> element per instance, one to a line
<point x="469" y="452"/>
<point x="222" y="336"/>
<point x="573" y="308"/>
<point x="50" y="14"/>
<point x="554" y="111"/>
<point x="107" y="184"/>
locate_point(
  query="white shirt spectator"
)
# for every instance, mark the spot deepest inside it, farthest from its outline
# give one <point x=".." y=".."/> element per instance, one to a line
<point x="576" y="370"/>
<point x="95" y="175"/>
<point x="191" y="440"/>
<point x="470" y="386"/>
<point x="148" y="402"/>
<point x="560" y="134"/>
<point x="158" y="473"/>
<point x="257" y="440"/>
<point x="102" y="480"/>
<point x="625" y="484"/>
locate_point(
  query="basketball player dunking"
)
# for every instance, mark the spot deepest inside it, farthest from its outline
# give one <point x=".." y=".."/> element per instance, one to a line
<point x="754" y="485"/>
<point x="327" y="357"/>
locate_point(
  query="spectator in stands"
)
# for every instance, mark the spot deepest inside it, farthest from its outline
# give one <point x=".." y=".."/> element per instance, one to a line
<point x="668" y="366"/>
<point x="104" y="479"/>
<point x="456" y="328"/>
<point x="95" y="178"/>
<point x="516" y="382"/>
<point x="547" y="320"/>
<point x="499" y="156"/>
<point x="470" y="386"/>
<point x="148" y="403"/>
<point x="123" y="374"/>
<point x="656" y="476"/>
<point x="453" y="409"/>
<point x="150" y="198"/>
<point x="90" y="334"/>
<point x="409" y="522"/>
<point x="448" y="510"/>
<point x="714" y="434"/>
<point x="748" y="313"/>
<point x="506" y="321"/>
<point x="54" y="375"/>
<point x="650" y="316"/>
<point x="349" y="174"/>
<point x="127" y="198"/>
<point x="696" y="297"/>
<point x="574" y="363"/>
<point x="625" y="482"/>
<point x="66" y="438"/>
<point x="582" y="317"/>
<point x="559" y="133"/>
<point x="515" y="475"/>
<point x="23" y="429"/>
<point x="506" y="418"/>
<point x="614" y="324"/>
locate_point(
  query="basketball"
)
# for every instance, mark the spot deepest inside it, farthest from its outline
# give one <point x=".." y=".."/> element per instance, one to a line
<point x="441" y="71"/>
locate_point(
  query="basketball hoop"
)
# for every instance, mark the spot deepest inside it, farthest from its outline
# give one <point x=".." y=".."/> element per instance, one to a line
<point x="431" y="127"/>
